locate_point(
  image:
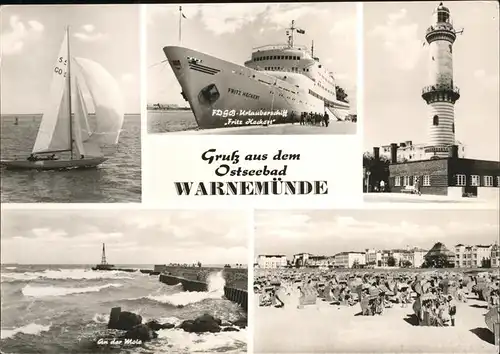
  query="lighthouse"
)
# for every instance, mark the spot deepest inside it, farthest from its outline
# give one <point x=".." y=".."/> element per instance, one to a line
<point x="440" y="94"/>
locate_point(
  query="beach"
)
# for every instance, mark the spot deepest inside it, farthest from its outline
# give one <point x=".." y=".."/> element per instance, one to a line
<point x="328" y="328"/>
<point x="117" y="180"/>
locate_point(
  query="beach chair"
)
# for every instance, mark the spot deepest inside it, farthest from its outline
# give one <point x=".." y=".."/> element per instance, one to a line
<point x="308" y="297"/>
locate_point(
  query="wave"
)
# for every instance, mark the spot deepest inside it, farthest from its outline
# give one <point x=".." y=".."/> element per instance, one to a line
<point x="185" y="298"/>
<point x="32" y="328"/>
<point x="204" y="342"/>
<point x="215" y="287"/>
<point x="10" y="268"/>
<point x="62" y="274"/>
<point x="44" y="291"/>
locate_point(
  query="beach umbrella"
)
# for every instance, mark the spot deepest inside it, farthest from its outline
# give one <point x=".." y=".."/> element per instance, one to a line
<point x="492" y="317"/>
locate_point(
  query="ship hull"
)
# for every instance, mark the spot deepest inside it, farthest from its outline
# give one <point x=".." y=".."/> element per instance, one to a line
<point x="52" y="164"/>
<point x="222" y="94"/>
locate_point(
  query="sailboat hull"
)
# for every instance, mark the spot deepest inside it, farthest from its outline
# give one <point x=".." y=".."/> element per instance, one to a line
<point x="52" y="164"/>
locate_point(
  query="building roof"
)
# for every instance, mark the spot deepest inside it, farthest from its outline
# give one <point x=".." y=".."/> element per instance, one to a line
<point x="349" y="252"/>
<point x="272" y="255"/>
<point x="439" y="248"/>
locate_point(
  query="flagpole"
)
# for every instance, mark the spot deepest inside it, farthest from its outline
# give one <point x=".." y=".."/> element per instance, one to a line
<point x="180" y="23"/>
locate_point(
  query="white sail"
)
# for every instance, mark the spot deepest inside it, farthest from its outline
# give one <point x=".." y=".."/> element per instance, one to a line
<point x="84" y="140"/>
<point x="107" y="99"/>
<point x="54" y="131"/>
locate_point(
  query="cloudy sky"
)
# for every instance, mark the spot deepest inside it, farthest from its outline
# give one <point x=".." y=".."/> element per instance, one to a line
<point x="131" y="236"/>
<point x="396" y="70"/>
<point x="230" y="31"/>
<point x="327" y="232"/>
<point x="31" y="37"/>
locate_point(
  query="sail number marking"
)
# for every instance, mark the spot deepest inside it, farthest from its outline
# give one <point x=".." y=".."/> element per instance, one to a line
<point x="58" y="70"/>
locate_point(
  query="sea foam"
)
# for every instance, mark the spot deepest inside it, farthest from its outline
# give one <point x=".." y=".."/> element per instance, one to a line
<point x="215" y="289"/>
<point x="44" y="291"/>
<point x="205" y="342"/>
<point x="62" y="274"/>
<point x="32" y="328"/>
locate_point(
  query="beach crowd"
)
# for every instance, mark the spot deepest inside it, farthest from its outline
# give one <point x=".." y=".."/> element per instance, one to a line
<point x="432" y="294"/>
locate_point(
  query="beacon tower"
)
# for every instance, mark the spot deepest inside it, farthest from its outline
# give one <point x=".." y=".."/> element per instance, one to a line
<point x="441" y="93"/>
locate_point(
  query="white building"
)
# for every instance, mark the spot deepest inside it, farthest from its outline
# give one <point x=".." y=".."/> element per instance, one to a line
<point x="418" y="257"/>
<point x="301" y="259"/>
<point x="472" y="256"/>
<point x="373" y="258"/>
<point x="407" y="151"/>
<point x="408" y="257"/>
<point x="495" y="256"/>
<point x="267" y="261"/>
<point x="349" y="259"/>
<point x="321" y="261"/>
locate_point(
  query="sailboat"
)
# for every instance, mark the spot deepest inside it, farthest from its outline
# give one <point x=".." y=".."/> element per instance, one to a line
<point x="65" y="126"/>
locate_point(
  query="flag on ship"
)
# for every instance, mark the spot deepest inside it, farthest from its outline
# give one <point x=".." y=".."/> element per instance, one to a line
<point x="301" y="31"/>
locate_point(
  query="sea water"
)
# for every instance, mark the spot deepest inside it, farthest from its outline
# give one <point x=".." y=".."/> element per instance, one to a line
<point x="62" y="309"/>
<point x="171" y="121"/>
<point x="116" y="180"/>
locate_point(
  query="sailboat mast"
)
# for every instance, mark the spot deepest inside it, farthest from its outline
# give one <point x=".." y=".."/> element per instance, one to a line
<point x="69" y="94"/>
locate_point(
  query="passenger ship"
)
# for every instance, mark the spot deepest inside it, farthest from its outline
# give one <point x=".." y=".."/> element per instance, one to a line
<point x="276" y="85"/>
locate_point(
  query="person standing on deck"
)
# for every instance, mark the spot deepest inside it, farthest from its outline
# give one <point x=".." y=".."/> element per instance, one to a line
<point x="326" y="119"/>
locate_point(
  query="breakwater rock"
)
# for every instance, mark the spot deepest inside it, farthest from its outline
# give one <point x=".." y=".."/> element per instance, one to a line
<point x="234" y="277"/>
<point x="239" y="296"/>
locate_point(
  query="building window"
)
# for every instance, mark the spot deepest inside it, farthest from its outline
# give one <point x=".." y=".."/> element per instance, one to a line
<point x="474" y="180"/>
<point x="498" y="181"/>
<point x="406" y="181"/>
<point x="427" y="180"/>
<point x="488" y="181"/>
<point x="397" y="181"/>
<point x="453" y="127"/>
<point x="461" y="180"/>
<point x="435" y="120"/>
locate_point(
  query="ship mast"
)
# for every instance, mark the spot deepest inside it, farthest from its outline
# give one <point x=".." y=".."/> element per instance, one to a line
<point x="312" y="49"/>
<point x="69" y="98"/>
<point x="290" y="38"/>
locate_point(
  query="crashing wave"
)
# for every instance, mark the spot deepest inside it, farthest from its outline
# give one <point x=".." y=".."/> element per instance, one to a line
<point x="62" y="274"/>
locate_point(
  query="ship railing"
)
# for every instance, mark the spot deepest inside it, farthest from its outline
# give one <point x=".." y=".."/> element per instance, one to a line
<point x="279" y="46"/>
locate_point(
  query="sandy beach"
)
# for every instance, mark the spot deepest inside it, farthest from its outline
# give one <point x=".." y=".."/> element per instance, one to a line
<point x="338" y="329"/>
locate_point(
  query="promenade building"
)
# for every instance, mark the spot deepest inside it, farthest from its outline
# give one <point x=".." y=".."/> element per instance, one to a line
<point x="301" y="259"/>
<point x="495" y="256"/>
<point x="350" y="259"/>
<point x="271" y="261"/>
<point x="475" y="256"/>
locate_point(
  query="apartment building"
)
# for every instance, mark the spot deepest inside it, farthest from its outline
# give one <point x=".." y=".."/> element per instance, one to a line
<point x="270" y="261"/>
<point x="349" y="259"/>
<point x="495" y="256"/>
<point x="472" y="256"/>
